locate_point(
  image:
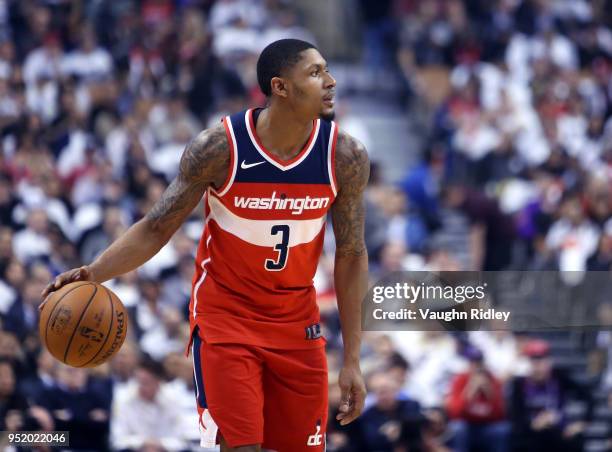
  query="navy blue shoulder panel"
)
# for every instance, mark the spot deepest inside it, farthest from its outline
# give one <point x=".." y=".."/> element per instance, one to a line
<point x="253" y="167"/>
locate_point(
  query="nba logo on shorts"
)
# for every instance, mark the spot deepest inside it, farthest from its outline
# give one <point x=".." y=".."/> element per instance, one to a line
<point x="313" y="331"/>
<point x="317" y="438"/>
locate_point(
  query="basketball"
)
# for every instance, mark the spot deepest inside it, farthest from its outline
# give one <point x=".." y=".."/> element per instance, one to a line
<point x="83" y="324"/>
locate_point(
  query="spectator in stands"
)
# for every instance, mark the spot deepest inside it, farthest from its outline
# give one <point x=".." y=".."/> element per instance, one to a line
<point x="181" y="385"/>
<point x="14" y="277"/>
<point x="98" y="239"/>
<point x="434" y="361"/>
<point x="43" y="63"/>
<point x="491" y="233"/>
<point x="22" y="317"/>
<point x="148" y="311"/>
<point x="422" y="184"/>
<point x="123" y="367"/>
<point x="603" y="348"/>
<point x="78" y="408"/>
<point x="8" y="202"/>
<point x="16" y="413"/>
<point x="476" y="405"/>
<point x="177" y="286"/>
<point x="601" y="260"/>
<point x="537" y="405"/>
<point x="12" y="350"/>
<point x="36" y="386"/>
<point x="572" y="238"/>
<point x="32" y="242"/>
<point x="385" y="423"/>
<point x="169" y="336"/>
<point x="147" y="416"/>
<point x="501" y="351"/>
<point x="397" y="368"/>
<point x="89" y="63"/>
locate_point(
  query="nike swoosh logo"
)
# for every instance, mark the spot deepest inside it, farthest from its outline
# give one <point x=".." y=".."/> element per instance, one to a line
<point x="245" y="165"/>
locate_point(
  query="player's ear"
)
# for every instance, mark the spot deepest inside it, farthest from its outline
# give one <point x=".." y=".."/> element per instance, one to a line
<point x="279" y="86"/>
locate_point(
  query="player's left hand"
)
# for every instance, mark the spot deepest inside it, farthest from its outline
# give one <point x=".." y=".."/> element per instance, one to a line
<point x="353" y="394"/>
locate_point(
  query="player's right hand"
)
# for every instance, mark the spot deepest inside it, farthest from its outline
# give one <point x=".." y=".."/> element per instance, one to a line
<point x="353" y="392"/>
<point x="83" y="273"/>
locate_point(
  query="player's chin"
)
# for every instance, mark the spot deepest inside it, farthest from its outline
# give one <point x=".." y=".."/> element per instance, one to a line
<point x="328" y="112"/>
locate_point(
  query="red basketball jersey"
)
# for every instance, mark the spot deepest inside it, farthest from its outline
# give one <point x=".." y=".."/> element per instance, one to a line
<point x="262" y="241"/>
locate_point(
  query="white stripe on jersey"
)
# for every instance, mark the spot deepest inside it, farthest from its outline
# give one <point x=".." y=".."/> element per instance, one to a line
<point x="329" y="158"/>
<point x="234" y="151"/>
<point x="257" y="232"/>
<point x="201" y="280"/>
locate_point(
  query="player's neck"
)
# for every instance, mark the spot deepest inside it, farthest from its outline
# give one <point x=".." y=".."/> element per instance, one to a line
<point x="281" y="132"/>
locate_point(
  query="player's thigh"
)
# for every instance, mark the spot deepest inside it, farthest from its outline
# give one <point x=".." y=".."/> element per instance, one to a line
<point x="295" y="408"/>
<point x="230" y="388"/>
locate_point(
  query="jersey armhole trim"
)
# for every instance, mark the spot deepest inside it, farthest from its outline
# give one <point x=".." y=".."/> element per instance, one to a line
<point x="331" y="157"/>
<point x="233" y="166"/>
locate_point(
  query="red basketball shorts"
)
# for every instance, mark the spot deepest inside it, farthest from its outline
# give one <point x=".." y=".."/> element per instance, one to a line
<point x="254" y="395"/>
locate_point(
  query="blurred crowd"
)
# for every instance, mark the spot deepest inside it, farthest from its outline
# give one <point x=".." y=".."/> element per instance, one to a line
<point x="98" y="99"/>
<point x="515" y="100"/>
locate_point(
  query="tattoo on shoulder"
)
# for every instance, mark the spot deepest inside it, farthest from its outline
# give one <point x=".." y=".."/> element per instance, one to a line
<point x="352" y="163"/>
<point x="348" y="211"/>
<point x="204" y="162"/>
<point x="206" y="158"/>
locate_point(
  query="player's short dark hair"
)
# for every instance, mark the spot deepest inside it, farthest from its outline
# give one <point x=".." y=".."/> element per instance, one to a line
<point x="278" y="57"/>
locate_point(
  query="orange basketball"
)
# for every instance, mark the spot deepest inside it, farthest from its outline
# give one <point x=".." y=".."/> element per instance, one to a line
<point x="83" y="324"/>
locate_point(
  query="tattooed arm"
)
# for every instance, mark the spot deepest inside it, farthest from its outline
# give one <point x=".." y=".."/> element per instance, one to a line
<point x="205" y="162"/>
<point x="351" y="266"/>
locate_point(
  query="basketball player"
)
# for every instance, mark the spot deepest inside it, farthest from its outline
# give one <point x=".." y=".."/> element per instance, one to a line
<point x="268" y="177"/>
